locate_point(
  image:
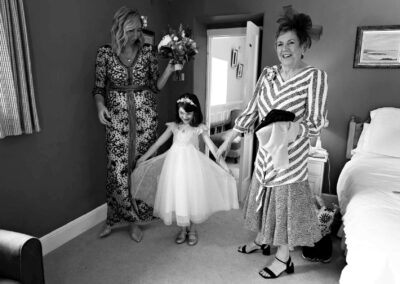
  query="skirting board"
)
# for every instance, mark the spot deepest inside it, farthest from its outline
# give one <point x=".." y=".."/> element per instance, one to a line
<point x="73" y="229"/>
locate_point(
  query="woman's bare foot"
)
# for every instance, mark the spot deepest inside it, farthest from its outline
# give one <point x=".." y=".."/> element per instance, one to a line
<point x="136" y="233"/>
<point x="105" y="232"/>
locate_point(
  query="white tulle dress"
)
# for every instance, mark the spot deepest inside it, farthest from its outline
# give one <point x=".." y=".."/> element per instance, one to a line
<point x="184" y="184"/>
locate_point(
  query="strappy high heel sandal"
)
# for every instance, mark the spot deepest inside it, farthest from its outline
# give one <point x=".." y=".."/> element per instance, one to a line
<point x="266" y="249"/>
<point x="289" y="269"/>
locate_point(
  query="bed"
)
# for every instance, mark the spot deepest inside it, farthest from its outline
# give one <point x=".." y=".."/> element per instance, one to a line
<point x="369" y="198"/>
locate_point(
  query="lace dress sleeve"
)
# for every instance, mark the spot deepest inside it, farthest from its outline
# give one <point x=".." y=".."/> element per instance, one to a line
<point x="100" y="82"/>
<point x="154" y="73"/>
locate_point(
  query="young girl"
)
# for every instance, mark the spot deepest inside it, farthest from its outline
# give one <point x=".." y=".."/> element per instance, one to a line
<point x="190" y="186"/>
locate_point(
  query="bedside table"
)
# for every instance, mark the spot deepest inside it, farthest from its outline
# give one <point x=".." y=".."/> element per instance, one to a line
<point x="316" y="167"/>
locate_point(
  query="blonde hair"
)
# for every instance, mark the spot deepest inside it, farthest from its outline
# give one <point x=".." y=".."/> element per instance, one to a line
<point x="124" y="18"/>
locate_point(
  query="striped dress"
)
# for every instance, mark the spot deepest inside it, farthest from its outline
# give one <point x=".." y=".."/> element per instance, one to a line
<point x="272" y="191"/>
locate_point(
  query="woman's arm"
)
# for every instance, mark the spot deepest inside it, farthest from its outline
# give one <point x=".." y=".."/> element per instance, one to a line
<point x="213" y="149"/>
<point x="160" y="141"/>
<point x="102" y="111"/>
<point x="226" y="145"/>
<point x="162" y="80"/>
<point x="315" y="116"/>
<point x="158" y="82"/>
<point x="99" y="89"/>
<point x="247" y="118"/>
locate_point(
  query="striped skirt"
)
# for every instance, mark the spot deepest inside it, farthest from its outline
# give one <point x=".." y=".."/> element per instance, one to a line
<point x="286" y="216"/>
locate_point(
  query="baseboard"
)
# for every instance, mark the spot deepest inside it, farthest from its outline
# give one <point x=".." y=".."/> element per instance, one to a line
<point x="73" y="229"/>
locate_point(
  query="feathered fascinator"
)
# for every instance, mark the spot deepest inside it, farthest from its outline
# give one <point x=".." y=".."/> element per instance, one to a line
<point x="300" y="22"/>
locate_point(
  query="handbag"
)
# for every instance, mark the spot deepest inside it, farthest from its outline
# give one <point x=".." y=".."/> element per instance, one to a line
<point x="275" y="115"/>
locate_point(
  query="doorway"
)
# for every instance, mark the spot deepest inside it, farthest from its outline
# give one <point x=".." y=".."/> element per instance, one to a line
<point x="232" y="71"/>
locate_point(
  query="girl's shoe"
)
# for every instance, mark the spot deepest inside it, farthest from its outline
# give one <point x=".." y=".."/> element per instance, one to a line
<point x="106" y="231"/>
<point x="181" y="237"/>
<point x="136" y="233"/>
<point x="266" y="249"/>
<point x="289" y="269"/>
<point x="192" y="238"/>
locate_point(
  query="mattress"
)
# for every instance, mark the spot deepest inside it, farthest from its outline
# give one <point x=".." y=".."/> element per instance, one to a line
<point x="369" y="199"/>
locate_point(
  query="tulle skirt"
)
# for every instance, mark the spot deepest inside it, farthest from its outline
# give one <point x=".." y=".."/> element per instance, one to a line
<point x="184" y="185"/>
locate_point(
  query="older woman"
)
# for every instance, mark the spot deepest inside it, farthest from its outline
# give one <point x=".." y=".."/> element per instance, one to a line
<point x="279" y="202"/>
<point x="127" y="79"/>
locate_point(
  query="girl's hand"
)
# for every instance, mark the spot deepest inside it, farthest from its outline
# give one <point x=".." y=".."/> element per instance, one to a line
<point x="103" y="115"/>
<point x="222" y="150"/>
<point x="140" y="160"/>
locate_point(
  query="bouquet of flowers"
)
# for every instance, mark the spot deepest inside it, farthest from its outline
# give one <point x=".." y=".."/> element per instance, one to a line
<point x="178" y="46"/>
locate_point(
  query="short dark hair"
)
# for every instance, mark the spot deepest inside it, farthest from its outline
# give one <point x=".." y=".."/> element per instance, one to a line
<point x="189" y="107"/>
<point x="298" y="23"/>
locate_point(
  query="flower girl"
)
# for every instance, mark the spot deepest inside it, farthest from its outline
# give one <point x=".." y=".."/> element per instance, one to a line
<point x="189" y="186"/>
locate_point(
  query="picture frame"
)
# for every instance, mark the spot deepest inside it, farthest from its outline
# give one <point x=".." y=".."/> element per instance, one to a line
<point x="377" y="47"/>
<point x="239" y="71"/>
<point x="234" y="57"/>
<point x="149" y="37"/>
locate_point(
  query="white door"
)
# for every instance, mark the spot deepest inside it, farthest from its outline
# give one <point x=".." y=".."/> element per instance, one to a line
<point x="250" y="76"/>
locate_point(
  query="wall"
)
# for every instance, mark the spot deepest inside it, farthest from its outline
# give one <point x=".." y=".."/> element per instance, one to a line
<point x="221" y="70"/>
<point x="52" y="177"/>
<point x="351" y="91"/>
<point x="225" y="88"/>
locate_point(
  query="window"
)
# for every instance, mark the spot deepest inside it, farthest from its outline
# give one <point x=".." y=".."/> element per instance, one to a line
<point x="18" y="113"/>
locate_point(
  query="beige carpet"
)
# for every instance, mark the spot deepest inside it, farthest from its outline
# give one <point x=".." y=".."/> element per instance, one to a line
<point x="157" y="259"/>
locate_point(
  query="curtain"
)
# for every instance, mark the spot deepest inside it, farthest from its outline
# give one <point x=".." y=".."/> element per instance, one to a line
<point x="18" y="114"/>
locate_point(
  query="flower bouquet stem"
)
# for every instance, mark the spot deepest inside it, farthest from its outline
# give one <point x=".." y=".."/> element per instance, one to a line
<point x="178" y="66"/>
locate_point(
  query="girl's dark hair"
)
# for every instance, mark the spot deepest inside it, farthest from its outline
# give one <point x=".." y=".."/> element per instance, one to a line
<point x="186" y="102"/>
<point x="301" y="24"/>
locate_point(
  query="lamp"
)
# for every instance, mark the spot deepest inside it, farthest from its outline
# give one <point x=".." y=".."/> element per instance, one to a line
<point x="317" y="150"/>
<point x="318" y="143"/>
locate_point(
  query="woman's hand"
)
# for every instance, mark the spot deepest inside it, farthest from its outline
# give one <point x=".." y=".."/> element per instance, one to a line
<point x="223" y="149"/>
<point x="103" y="114"/>
<point x="175" y="66"/>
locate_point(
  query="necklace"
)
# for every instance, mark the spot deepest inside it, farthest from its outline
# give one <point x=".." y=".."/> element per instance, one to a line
<point x="130" y="57"/>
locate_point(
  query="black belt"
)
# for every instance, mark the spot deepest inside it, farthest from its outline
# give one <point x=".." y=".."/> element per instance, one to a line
<point x="129" y="88"/>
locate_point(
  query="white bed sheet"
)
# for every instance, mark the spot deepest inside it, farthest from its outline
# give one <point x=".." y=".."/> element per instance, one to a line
<point x="371" y="218"/>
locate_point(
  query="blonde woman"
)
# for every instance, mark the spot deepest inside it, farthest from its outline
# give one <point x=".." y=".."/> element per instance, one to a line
<point x="127" y="79"/>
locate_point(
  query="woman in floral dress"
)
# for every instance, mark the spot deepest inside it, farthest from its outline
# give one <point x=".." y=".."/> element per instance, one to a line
<point x="127" y="78"/>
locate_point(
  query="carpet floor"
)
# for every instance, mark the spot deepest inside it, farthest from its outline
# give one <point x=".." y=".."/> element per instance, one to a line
<point x="157" y="259"/>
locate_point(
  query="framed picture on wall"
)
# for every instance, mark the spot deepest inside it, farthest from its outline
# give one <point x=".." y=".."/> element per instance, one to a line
<point x="239" y="71"/>
<point x="377" y="47"/>
<point x="234" y="57"/>
<point x="149" y="37"/>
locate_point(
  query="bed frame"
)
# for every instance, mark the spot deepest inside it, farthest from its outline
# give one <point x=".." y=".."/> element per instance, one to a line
<point x="355" y="129"/>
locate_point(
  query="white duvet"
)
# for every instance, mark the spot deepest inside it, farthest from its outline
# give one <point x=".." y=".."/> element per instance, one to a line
<point x="369" y="197"/>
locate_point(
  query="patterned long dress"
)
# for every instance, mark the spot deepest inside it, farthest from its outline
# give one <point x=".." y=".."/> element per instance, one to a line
<point x="279" y="203"/>
<point x="128" y="93"/>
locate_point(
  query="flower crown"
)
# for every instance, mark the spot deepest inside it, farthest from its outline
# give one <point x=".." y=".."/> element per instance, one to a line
<point x="186" y="100"/>
<point x="144" y="21"/>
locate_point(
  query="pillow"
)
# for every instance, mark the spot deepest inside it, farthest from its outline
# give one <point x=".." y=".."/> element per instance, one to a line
<point x="383" y="135"/>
